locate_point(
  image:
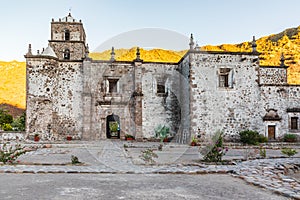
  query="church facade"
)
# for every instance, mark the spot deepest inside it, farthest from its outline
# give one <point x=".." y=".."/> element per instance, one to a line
<point x="70" y="94"/>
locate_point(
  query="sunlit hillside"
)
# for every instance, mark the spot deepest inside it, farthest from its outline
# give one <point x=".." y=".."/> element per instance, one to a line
<point x="13" y="83"/>
<point x="153" y="55"/>
<point x="13" y="74"/>
<point x="271" y="47"/>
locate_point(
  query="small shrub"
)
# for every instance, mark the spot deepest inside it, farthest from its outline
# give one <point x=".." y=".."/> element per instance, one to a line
<point x="5" y="118"/>
<point x="148" y="156"/>
<point x="194" y="141"/>
<point x="215" y="150"/>
<point x="249" y="137"/>
<point x="129" y="136"/>
<point x="11" y="153"/>
<point x="18" y="124"/>
<point x="290" y="137"/>
<point x="262" y="152"/>
<point x="74" y="160"/>
<point x="7" y="127"/>
<point x="262" y="138"/>
<point x="289" y="151"/>
<point x="162" y="132"/>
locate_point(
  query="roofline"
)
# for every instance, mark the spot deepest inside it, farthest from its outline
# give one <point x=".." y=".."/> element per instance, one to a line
<point x="130" y="62"/>
<point x="273" y="66"/>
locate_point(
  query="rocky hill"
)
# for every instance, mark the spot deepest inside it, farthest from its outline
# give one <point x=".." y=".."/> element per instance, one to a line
<point x="153" y="55"/>
<point x="13" y="74"/>
<point x="271" y="47"/>
<point x="13" y="83"/>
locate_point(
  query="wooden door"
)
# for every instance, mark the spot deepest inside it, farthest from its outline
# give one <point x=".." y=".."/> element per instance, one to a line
<point x="271" y="132"/>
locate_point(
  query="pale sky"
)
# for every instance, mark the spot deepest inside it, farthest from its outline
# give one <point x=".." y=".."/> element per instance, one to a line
<point x="211" y="21"/>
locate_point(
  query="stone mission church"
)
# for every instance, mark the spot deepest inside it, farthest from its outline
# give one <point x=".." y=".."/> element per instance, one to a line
<point x="70" y="94"/>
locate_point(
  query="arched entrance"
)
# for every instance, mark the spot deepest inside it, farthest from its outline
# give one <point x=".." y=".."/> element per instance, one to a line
<point x="113" y="126"/>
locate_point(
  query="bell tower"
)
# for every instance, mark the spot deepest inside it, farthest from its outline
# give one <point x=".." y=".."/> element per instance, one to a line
<point x="68" y="39"/>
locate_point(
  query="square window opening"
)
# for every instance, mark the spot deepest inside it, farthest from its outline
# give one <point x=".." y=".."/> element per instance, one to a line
<point x="113" y="85"/>
<point x="294" y="123"/>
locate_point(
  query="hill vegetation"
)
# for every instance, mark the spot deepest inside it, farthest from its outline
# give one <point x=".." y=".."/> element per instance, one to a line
<point x="13" y="83"/>
<point x="13" y="74"/>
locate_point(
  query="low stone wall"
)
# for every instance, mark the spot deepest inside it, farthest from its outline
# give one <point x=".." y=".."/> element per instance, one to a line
<point x="12" y="135"/>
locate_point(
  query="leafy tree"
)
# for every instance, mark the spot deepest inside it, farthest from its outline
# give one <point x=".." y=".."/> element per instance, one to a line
<point x="5" y="118"/>
<point x="18" y="124"/>
<point x="7" y="127"/>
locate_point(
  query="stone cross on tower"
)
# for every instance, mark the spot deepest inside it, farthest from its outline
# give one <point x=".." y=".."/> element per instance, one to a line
<point x="138" y="57"/>
<point x="191" y="42"/>
<point x="112" y="54"/>
<point x="87" y="51"/>
<point x="254" y="45"/>
<point x="282" y="60"/>
<point x="29" y="50"/>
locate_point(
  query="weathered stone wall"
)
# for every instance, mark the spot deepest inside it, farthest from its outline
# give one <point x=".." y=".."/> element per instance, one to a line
<point x="77" y="49"/>
<point x="230" y="109"/>
<point x="136" y="97"/>
<point x="75" y="43"/>
<point x="11" y="135"/>
<point x="54" y="90"/>
<point x="99" y="102"/>
<point x="280" y="98"/>
<point x="75" y="28"/>
<point x="184" y="92"/>
<point x="158" y="106"/>
<point x="273" y="75"/>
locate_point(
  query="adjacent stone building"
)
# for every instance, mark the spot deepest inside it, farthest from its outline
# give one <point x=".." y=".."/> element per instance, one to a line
<point x="69" y="94"/>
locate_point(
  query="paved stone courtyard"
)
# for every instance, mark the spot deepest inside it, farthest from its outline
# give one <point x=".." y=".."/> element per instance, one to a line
<point x="275" y="173"/>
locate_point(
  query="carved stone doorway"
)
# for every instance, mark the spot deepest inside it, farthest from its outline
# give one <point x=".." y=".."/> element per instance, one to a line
<point x="113" y="126"/>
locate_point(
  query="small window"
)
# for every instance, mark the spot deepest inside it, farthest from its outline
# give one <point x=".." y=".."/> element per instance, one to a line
<point x="294" y="123"/>
<point x="67" y="35"/>
<point x="160" y="89"/>
<point x="223" y="82"/>
<point x="113" y="85"/>
<point x="224" y="77"/>
<point x="160" y="86"/>
<point x="67" y="54"/>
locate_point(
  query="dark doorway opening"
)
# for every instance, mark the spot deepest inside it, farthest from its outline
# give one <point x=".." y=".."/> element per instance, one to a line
<point x="113" y="126"/>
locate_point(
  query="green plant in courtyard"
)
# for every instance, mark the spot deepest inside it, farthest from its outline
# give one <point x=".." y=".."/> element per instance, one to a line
<point x="262" y="152"/>
<point x="162" y="132"/>
<point x="252" y="137"/>
<point x="290" y="137"/>
<point x="74" y="160"/>
<point x="262" y="139"/>
<point x="9" y="153"/>
<point x="194" y="141"/>
<point x="289" y="152"/>
<point x="148" y="156"/>
<point x="7" y="127"/>
<point x="215" y="150"/>
<point x="129" y="136"/>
